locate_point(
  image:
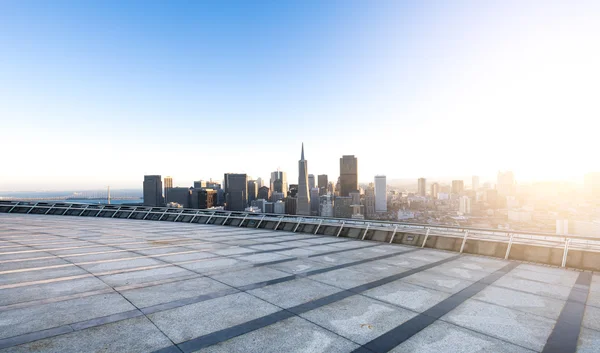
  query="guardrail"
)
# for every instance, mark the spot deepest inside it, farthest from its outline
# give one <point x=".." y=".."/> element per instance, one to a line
<point x="461" y="239"/>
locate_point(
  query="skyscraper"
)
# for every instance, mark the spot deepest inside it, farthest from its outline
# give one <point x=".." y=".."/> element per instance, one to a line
<point x="252" y="190"/>
<point x="465" y="205"/>
<point x="259" y="183"/>
<point x="314" y="201"/>
<point x="322" y="184"/>
<point x="282" y="177"/>
<point x="168" y="181"/>
<point x="153" y="191"/>
<point x="370" y="201"/>
<point x="236" y="191"/>
<point x="380" y="193"/>
<point x="458" y="186"/>
<point x="475" y="183"/>
<point x="303" y="207"/>
<point x="348" y="175"/>
<point x="435" y="190"/>
<point x="422" y="187"/>
<point x="311" y="181"/>
<point x="264" y="193"/>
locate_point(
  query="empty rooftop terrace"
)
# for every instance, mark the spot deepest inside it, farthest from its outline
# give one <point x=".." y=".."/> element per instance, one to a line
<point x="80" y="284"/>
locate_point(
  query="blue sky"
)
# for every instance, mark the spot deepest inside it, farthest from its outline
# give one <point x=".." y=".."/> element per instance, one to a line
<point x="101" y="93"/>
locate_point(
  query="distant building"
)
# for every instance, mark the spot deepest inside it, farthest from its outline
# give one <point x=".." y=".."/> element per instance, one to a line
<point x="380" y="193"/>
<point x="326" y="205"/>
<point x="279" y="182"/>
<point x="348" y="175"/>
<point x="435" y="190"/>
<point x="252" y="190"/>
<point x="293" y="190"/>
<point x="475" y="182"/>
<point x="465" y="205"/>
<point x="279" y="207"/>
<point x="322" y="184"/>
<point x="506" y="183"/>
<point x="370" y="201"/>
<point x="314" y="201"/>
<point x="303" y="207"/>
<point x="269" y="208"/>
<point x="168" y="181"/>
<point x="458" y="186"/>
<point x="311" y="182"/>
<point x="342" y="207"/>
<point x="263" y="193"/>
<point x="259" y="183"/>
<point x="491" y="197"/>
<point x="203" y="198"/>
<point x="236" y="191"/>
<point x="276" y="196"/>
<point x="181" y="196"/>
<point x="291" y="204"/>
<point x="260" y="204"/>
<point x="153" y="192"/>
<point x="199" y="184"/>
<point x="422" y="187"/>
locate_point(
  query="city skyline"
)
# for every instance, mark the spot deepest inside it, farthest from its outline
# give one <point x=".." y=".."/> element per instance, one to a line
<point x="98" y="94"/>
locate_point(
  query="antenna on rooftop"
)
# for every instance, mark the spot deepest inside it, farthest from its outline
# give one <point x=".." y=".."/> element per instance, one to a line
<point x="108" y="195"/>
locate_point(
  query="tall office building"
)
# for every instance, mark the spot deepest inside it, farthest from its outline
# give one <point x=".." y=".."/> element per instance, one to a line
<point x="263" y="193"/>
<point x="314" y="201"/>
<point x="311" y="181"/>
<point x="506" y="183"/>
<point x="475" y="183"/>
<point x="303" y="207"/>
<point x="282" y="185"/>
<point x="291" y="204"/>
<point x="435" y="190"/>
<point x="465" y="205"/>
<point x="259" y="183"/>
<point x="326" y="205"/>
<point x="348" y="175"/>
<point x="380" y="193"/>
<point x="370" y="201"/>
<point x="236" y="191"/>
<point x="422" y="187"/>
<point x="322" y="184"/>
<point x="458" y="186"/>
<point x="153" y="191"/>
<point x="168" y="181"/>
<point x="342" y="207"/>
<point x="180" y="196"/>
<point x="252" y="190"/>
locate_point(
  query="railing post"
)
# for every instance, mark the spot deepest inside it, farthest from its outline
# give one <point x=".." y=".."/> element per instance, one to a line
<point x="426" y="236"/>
<point x="341" y="227"/>
<point x="259" y="222"/>
<point x="242" y="222"/>
<point x="277" y="225"/>
<point x="32" y="207"/>
<point x="209" y="218"/>
<point x="366" y="230"/>
<point x="179" y="215"/>
<point x="298" y="225"/>
<point x="48" y="210"/>
<point x="394" y="233"/>
<point x="464" y="241"/>
<point x="510" y="241"/>
<point x="131" y="214"/>
<point x="12" y="208"/>
<point x="566" y="252"/>
<point x="319" y="226"/>
<point x="147" y="214"/>
<point x="226" y="218"/>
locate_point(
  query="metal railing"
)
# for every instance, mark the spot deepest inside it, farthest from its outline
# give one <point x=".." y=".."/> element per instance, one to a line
<point x="334" y="226"/>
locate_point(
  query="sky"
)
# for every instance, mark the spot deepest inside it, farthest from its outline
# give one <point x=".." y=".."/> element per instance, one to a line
<point x="102" y="93"/>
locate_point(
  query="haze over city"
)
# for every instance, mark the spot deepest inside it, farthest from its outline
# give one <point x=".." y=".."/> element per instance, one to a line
<point x="101" y="93"/>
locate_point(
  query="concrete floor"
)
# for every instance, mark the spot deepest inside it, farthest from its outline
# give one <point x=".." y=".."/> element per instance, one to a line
<point x="78" y="284"/>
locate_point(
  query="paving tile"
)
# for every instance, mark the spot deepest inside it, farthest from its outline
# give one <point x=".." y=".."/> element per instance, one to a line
<point x="358" y="318"/>
<point x="437" y="281"/>
<point x="567" y="278"/>
<point x="298" y="266"/>
<point x="13" y="278"/>
<point x="194" y="320"/>
<point x="249" y="276"/>
<point x="591" y="318"/>
<point x="293" y="335"/>
<point x="410" y="296"/>
<point x="295" y="292"/>
<point x="589" y="341"/>
<point x="346" y="278"/>
<point x="534" y="287"/>
<point x="261" y="258"/>
<point x="120" y="265"/>
<point x="50" y="290"/>
<point x="523" y="329"/>
<point x="144" y="276"/>
<point x="535" y="304"/>
<point x="444" y="337"/>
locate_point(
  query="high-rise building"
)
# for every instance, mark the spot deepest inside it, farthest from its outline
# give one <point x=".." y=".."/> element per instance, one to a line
<point x="458" y="186"/>
<point x="282" y="185"/>
<point x="370" y="201"/>
<point x="314" y="201"/>
<point x="465" y="205"/>
<point x="380" y="193"/>
<point x="279" y="207"/>
<point x="199" y="184"/>
<point x="331" y="188"/>
<point x="342" y="207"/>
<point x="264" y="193"/>
<point x="182" y="196"/>
<point x="322" y="184"/>
<point x="168" y="181"/>
<point x="153" y="191"/>
<point x="252" y="190"/>
<point x="435" y="190"/>
<point x="422" y="187"/>
<point x="276" y="196"/>
<point x="203" y="198"/>
<point x="259" y="183"/>
<point x="506" y="183"/>
<point x="326" y="205"/>
<point x="348" y="175"/>
<point x="311" y="181"/>
<point x="303" y="207"/>
<point x="236" y="191"/>
<point x="475" y="183"/>
<point x="291" y="204"/>
<point x="260" y="203"/>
